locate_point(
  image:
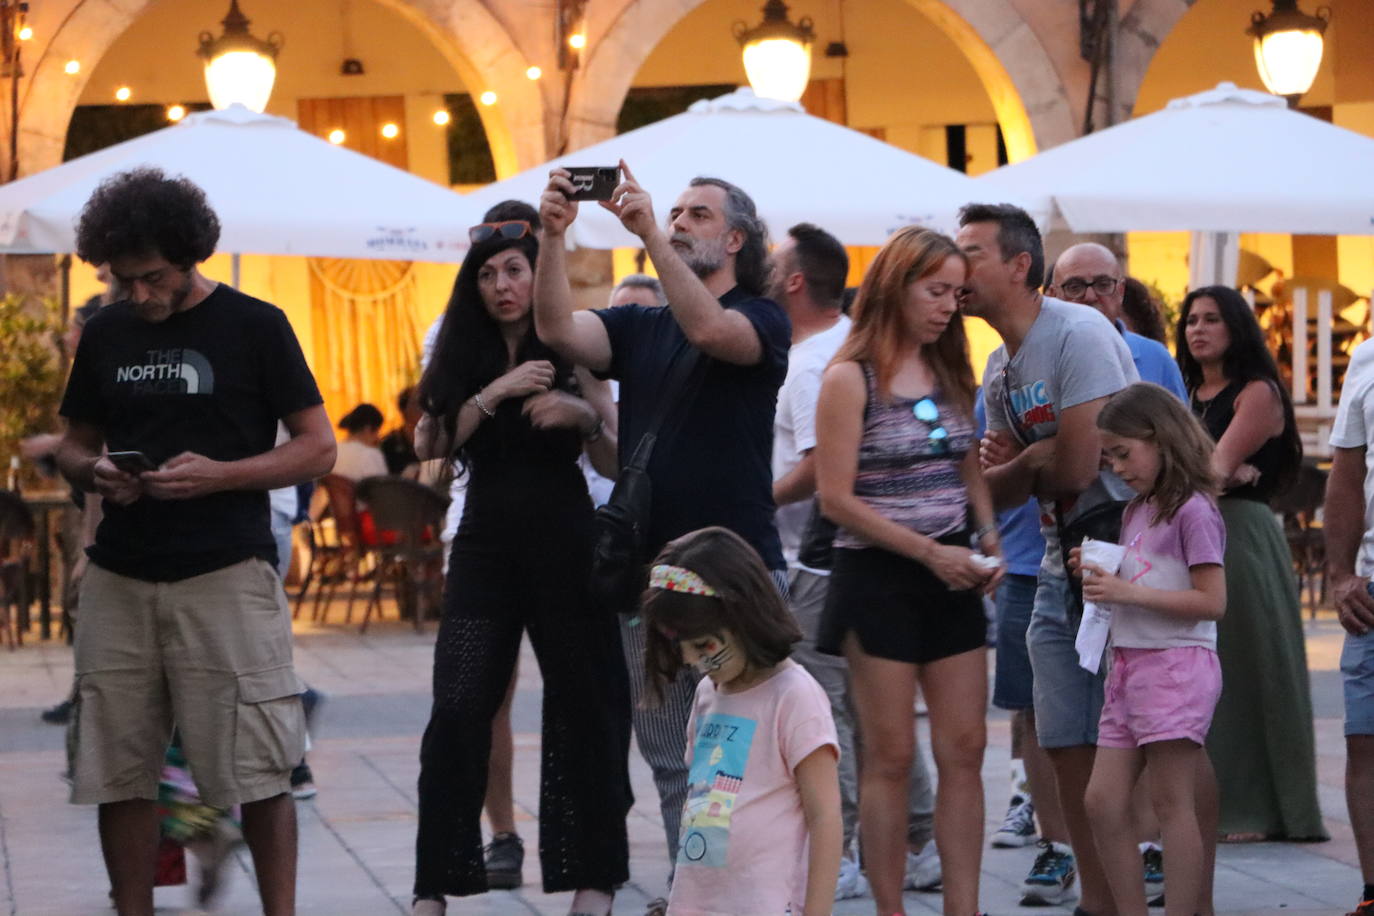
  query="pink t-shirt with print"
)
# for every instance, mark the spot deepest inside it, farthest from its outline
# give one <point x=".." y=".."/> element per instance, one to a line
<point x="743" y="844"/>
<point x="1161" y="555"/>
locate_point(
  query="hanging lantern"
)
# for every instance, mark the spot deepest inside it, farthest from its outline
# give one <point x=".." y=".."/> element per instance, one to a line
<point x="239" y="68"/>
<point x="777" y="53"/>
<point x="1288" y="47"/>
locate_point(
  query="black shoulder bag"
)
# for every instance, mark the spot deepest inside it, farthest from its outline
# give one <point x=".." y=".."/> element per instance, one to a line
<point x="620" y="528"/>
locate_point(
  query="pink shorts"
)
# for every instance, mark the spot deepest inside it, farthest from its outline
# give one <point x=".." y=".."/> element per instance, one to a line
<point x="1159" y="695"/>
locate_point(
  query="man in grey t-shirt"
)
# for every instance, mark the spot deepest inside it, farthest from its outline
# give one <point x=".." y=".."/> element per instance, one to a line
<point x="1043" y="388"/>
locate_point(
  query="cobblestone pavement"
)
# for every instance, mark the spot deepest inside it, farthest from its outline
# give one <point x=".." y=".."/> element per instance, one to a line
<point x="357" y="835"/>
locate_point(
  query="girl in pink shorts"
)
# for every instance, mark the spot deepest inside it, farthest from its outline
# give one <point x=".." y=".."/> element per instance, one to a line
<point x="1164" y="678"/>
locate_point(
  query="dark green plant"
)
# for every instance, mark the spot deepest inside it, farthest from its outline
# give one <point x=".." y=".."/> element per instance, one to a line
<point x="31" y="377"/>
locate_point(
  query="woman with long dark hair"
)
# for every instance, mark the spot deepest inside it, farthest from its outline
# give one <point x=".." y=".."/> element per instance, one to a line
<point x="897" y="470"/>
<point x="1261" y="740"/>
<point x="516" y="417"/>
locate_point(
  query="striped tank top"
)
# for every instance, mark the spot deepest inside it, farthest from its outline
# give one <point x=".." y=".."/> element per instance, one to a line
<point x="907" y="474"/>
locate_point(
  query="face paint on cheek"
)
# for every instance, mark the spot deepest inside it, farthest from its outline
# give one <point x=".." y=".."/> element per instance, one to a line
<point x="715" y="660"/>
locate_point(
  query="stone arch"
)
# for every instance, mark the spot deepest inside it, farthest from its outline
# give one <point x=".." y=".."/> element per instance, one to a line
<point x="469" y="37"/>
<point x="1015" y="68"/>
<point x="1143" y="29"/>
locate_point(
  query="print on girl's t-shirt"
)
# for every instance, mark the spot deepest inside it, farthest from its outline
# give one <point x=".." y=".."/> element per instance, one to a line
<point x="719" y="759"/>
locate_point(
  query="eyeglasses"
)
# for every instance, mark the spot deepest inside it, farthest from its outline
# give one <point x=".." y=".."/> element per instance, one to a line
<point x="928" y="413"/>
<point x="1075" y="288"/>
<point x="508" y="229"/>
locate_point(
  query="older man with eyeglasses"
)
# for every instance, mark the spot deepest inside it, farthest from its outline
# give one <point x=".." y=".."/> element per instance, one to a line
<point x="1089" y="274"/>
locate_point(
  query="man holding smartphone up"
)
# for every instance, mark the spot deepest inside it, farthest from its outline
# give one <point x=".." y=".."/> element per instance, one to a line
<point x="712" y="259"/>
<point x="186" y="622"/>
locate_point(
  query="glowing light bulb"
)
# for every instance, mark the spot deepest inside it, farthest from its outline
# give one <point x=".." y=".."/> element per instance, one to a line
<point x="534" y="73"/>
<point x="72" y="68"/>
<point x="123" y="93"/>
<point x="442" y="117"/>
<point x="176" y="113"/>
<point x="390" y="131"/>
<point x="488" y="98"/>
<point x="25" y="33"/>
<point x="337" y="136"/>
<point x="577" y="40"/>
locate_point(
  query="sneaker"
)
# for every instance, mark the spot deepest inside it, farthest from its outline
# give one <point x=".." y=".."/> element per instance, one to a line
<point x="505" y="860"/>
<point x="923" y="872"/>
<point x="60" y="714"/>
<point x="303" y="782"/>
<point x="1051" y="878"/>
<point x="1018" y="827"/>
<point x="852" y="882"/>
<point x="1153" y="858"/>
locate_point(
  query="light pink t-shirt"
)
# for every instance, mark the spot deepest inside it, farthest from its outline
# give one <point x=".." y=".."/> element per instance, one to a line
<point x="743" y="843"/>
<point x="1159" y="556"/>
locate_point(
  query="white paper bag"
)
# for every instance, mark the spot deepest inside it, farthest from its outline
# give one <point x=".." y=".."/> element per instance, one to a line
<point x="1097" y="621"/>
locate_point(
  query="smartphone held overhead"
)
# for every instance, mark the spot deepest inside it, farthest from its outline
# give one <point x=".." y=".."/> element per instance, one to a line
<point x="593" y="182"/>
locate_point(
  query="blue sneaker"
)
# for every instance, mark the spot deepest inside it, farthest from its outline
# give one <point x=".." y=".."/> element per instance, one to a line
<point x="1051" y="878"/>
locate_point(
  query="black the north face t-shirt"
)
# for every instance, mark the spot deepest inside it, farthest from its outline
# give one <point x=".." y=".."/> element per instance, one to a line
<point x="213" y="380"/>
<point x="718" y="469"/>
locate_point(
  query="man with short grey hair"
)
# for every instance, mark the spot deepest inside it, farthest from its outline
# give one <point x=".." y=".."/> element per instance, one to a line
<point x="638" y="289"/>
<point x="1090" y="274"/>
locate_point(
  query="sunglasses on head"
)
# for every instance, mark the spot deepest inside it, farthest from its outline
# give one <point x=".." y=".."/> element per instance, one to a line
<point x="928" y="412"/>
<point x="507" y="229"/>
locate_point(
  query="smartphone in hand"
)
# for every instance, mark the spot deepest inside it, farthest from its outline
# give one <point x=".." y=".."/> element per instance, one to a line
<point x="131" y="462"/>
<point x="593" y="182"/>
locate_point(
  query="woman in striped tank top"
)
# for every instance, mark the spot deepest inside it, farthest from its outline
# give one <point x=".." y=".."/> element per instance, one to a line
<point x="897" y="471"/>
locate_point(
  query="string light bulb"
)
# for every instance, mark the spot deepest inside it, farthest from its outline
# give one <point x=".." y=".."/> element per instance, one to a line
<point x="175" y="113"/>
<point x="337" y="136"/>
<point x="577" y="40"/>
<point x="533" y="73"/>
<point x="72" y="68"/>
<point x="124" y="93"/>
<point x="25" y="33"/>
<point x="488" y="98"/>
<point x="442" y="117"/>
<point x="390" y="131"/>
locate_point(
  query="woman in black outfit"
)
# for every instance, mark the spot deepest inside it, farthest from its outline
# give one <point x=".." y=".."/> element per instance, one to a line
<point x="515" y="416"/>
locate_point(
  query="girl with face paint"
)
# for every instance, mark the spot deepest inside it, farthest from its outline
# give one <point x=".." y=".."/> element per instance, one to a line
<point x="761" y="825"/>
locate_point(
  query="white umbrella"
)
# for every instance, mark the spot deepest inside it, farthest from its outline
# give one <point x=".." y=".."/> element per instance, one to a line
<point x="1226" y="160"/>
<point x="277" y="190"/>
<point x="796" y="167"/>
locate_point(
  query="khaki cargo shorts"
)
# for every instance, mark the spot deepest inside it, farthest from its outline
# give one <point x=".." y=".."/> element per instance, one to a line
<point x="210" y="654"/>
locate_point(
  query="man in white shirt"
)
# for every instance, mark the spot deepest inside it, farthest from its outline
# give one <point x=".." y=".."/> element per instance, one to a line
<point x="1348" y="523"/>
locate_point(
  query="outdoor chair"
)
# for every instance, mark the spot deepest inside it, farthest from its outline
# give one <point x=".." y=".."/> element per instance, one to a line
<point x="17" y="545"/>
<point x="409" y="517"/>
<point x="1299" y="505"/>
<point x="344" y="554"/>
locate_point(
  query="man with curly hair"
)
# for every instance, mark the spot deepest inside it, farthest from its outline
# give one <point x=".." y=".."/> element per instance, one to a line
<point x="188" y="623"/>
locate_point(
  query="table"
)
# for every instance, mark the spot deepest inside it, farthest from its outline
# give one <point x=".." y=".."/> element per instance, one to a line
<point x="44" y="503"/>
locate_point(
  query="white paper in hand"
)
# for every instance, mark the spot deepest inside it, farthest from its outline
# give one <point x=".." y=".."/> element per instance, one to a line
<point x="1097" y="621"/>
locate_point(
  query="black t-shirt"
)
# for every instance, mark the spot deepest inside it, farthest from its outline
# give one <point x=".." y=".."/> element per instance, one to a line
<point x="213" y="380"/>
<point x="717" y="469"/>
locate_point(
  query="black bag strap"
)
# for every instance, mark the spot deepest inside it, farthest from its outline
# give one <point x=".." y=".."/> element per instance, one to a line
<point x="675" y="396"/>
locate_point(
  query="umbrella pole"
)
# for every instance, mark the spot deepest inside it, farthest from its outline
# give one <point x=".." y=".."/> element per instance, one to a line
<point x="234" y="270"/>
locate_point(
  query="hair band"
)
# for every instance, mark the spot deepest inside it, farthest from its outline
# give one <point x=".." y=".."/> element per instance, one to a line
<point x="678" y="579"/>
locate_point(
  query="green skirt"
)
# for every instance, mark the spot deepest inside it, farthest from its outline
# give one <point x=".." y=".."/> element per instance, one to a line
<point x="1261" y="741"/>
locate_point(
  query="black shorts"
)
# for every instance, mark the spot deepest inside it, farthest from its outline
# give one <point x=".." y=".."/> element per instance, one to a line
<point x="898" y="609"/>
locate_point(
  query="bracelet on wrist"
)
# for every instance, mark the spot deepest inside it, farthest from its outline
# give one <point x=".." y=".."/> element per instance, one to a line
<point x="985" y="531"/>
<point x="482" y="405"/>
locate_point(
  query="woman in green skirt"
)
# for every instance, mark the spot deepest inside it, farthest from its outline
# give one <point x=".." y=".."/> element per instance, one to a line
<point x="1261" y="741"/>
